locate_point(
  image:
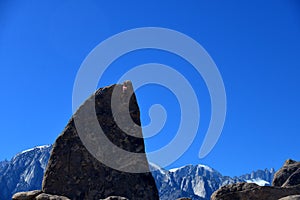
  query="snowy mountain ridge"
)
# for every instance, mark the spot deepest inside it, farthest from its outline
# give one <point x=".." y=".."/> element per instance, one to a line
<point x="25" y="172"/>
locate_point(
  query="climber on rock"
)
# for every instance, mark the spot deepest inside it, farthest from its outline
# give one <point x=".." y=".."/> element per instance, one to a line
<point x="124" y="87"/>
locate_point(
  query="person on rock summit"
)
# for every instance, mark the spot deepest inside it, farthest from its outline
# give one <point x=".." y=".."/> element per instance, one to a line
<point x="124" y="87"/>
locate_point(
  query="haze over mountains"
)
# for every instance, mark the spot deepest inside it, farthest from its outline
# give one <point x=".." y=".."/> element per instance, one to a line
<point x="25" y="172"/>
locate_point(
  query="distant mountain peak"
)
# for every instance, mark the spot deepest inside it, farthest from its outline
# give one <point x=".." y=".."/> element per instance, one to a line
<point x="24" y="171"/>
<point x="35" y="148"/>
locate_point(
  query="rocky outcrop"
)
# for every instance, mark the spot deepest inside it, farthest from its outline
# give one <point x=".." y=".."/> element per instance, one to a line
<point x="37" y="195"/>
<point x="73" y="172"/>
<point x="285" y="184"/>
<point x="293" y="197"/>
<point x="115" y="198"/>
<point x="288" y="175"/>
<point x="252" y="191"/>
<point x="26" y="195"/>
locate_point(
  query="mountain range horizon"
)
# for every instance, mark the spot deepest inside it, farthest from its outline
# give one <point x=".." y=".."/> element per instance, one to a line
<point x="25" y="172"/>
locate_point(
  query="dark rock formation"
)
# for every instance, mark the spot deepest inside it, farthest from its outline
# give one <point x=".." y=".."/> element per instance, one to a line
<point x="115" y="198"/>
<point x="286" y="183"/>
<point x="44" y="196"/>
<point x="251" y="191"/>
<point x="26" y="195"/>
<point x="37" y="195"/>
<point x="74" y="172"/>
<point x="292" y="197"/>
<point x="283" y="177"/>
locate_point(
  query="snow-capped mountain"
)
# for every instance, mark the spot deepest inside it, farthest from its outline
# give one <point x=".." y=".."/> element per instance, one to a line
<point x="260" y="177"/>
<point x="200" y="181"/>
<point x="25" y="172"/>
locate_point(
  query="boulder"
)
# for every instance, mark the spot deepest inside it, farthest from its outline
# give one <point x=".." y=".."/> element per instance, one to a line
<point x="37" y="195"/>
<point x="251" y="191"/>
<point x="115" y="198"/>
<point x="293" y="197"/>
<point x="44" y="196"/>
<point x="294" y="179"/>
<point x="26" y="195"/>
<point x="74" y="172"/>
<point x="285" y="184"/>
<point x="282" y="175"/>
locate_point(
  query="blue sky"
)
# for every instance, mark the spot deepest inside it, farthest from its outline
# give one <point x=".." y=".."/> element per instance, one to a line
<point x="255" y="45"/>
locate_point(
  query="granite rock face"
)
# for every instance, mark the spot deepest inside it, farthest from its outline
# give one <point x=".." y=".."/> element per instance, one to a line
<point x="251" y="191"/>
<point x="285" y="184"/>
<point x="292" y="197"/>
<point x="26" y="195"/>
<point x="288" y="175"/>
<point x="37" y="195"/>
<point x="115" y="198"/>
<point x="74" y="172"/>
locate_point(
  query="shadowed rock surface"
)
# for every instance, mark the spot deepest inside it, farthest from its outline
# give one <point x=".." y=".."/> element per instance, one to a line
<point x="26" y="195"/>
<point x="251" y="191"/>
<point x="288" y="175"/>
<point x="74" y="173"/>
<point x="37" y="195"/>
<point x="115" y="198"/>
<point x="293" y="197"/>
<point x="285" y="184"/>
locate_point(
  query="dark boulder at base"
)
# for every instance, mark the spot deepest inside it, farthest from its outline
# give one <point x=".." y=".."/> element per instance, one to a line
<point x="37" y="195"/>
<point x="293" y="197"/>
<point x="286" y="183"/>
<point x="26" y="195"/>
<point x="115" y="198"/>
<point x="252" y="191"/>
<point x="74" y="172"/>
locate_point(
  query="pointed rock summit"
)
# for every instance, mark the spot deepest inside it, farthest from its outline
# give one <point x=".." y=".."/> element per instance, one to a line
<point x="75" y="168"/>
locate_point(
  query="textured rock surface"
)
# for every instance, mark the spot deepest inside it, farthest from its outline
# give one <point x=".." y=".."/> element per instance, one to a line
<point x="282" y="175"/>
<point x="44" y="196"/>
<point x="251" y="191"/>
<point x="26" y="195"/>
<point x="286" y="183"/>
<point x="294" y="179"/>
<point x="37" y="195"/>
<point x="73" y="172"/>
<point x="293" y="197"/>
<point x="115" y="198"/>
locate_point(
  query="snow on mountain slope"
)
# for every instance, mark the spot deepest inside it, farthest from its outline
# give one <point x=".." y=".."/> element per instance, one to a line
<point x="200" y="181"/>
<point x="258" y="181"/>
<point x="24" y="172"/>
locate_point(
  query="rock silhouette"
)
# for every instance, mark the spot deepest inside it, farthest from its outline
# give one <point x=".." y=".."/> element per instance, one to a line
<point x="75" y="173"/>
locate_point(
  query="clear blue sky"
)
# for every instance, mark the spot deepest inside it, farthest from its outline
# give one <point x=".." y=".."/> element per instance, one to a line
<point x="255" y="44"/>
